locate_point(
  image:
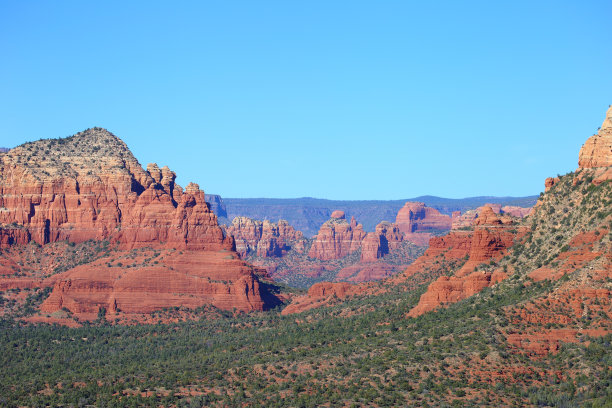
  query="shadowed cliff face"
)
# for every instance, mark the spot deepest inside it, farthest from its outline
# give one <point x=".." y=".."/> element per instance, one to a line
<point x="90" y="187"/>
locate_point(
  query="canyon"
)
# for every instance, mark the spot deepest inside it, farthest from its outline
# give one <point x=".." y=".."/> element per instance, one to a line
<point x="491" y="304"/>
<point x="550" y="244"/>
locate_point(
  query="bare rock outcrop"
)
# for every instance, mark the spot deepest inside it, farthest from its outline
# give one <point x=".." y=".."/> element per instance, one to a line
<point x="491" y="237"/>
<point x="337" y="238"/>
<point x="377" y="244"/>
<point x="90" y="187"/>
<point x="264" y="238"/>
<point x="182" y="279"/>
<point x="417" y="217"/>
<point x="597" y="150"/>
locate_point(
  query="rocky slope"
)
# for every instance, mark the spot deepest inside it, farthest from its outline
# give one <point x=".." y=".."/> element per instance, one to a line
<point x="562" y="249"/>
<point x="488" y="242"/>
<point x="90" y="187"/>
<point x="564" y="199"/>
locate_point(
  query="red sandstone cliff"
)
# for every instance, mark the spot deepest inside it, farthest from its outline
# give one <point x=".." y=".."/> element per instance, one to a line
<point x="186" y="278"/>
<point x="597" y="150"/>
<point x="492" y="235"/>
<point x="385" y="239"/>
<point x="470" y="217"/>
<point x="266" y="239"/>
<point x="417" y="217"/>
<point x="90" y="186"/>
<point x="337" y="238"/>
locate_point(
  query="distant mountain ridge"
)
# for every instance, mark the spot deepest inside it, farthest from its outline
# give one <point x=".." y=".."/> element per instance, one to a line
<point x="307" y="214"/>
<point x="4" y="149"/>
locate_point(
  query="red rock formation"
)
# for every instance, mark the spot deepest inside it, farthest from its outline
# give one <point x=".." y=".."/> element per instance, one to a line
<point x="337" y="238"/>
<point x="489" y="240"/>
<point x="470" y="217"/>
<point x="452" y="289"/>
<point x="338" y="214"/>
<point x="100" y="192"/>
<point x="519" y="212"/>
<point x="265" y="238"/>
<point x="446" y="252"/>
<point x="321" y="294"/>
<point x="13" y="234"/>
<point x="549" y="182"/>
<point x="185" y="278"/>
<point x="386" y="238"/>
<point x="90" y="186"/>
<point x="416" y="217"/>
<point x="597" y="150"/>
<point x="465" y="220"/>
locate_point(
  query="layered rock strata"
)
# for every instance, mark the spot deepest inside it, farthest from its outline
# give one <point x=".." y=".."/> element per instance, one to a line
<point x="417" y="217"/>
<point x="186" y="278"/>
<point x="90" y="187"/>
<point x="337" y="238"/>
<point x="377" y="244"/>
<point x="597" y="150"/>
<point x="264" y="238"/>
<point x="491" y="237"/>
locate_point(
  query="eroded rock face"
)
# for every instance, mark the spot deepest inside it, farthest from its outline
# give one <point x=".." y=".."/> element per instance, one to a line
<point x="491" y="237"/>
<point x="446" y="290"/>
<point x="386" y="238"/>
<point x="181" y="279"/>
<point x="471" y="217"/>
<point x="597" y="150"/>
<point x="90" y="187"/>
<point x="417" y="217"/>
<point x="549" y="182"/>
<point x="264" y="238"/>
<point x="337" y="238"/>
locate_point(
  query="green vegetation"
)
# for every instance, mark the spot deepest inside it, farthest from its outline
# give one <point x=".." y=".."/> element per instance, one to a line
<point x="363" y="351"/>
<point x="360" y="352"/>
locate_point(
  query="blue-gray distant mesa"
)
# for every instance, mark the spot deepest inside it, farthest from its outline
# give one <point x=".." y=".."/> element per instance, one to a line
<point x="307" y="214"/>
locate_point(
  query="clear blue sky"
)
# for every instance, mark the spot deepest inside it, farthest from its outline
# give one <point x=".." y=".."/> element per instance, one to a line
<point x="330" y="99"/>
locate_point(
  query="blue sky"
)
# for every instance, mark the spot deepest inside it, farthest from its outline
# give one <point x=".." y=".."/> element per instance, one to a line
<point x="330" y="99"/>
